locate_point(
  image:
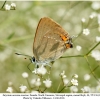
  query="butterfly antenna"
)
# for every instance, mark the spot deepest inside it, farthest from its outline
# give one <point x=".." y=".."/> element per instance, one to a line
<point x="74" y="36"/>
<point x="23" y="55"/>
<point x="30" y="58"/>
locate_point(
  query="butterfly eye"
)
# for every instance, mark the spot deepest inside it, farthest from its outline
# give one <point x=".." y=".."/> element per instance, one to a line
<point x="32" y="59"/>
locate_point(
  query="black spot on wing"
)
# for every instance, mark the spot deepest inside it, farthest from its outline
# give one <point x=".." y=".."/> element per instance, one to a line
<point x="54" y="47"/>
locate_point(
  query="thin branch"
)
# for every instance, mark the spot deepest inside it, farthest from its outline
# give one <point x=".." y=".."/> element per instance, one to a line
<point x="28" y="83"/>
<point x="91" y="69"/>
<point x="61" y="89"/>
<point x="93" y="48"/>
<point x="3" y="5"/>
<point x="72" y="56"/>
<point x="94" y="69"/>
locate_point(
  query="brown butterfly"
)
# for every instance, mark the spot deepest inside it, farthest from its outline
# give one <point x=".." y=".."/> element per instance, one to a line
<point x="50" y="42"/>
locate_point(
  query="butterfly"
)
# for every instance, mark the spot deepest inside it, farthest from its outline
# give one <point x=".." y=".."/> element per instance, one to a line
<point x="50" y="42"/>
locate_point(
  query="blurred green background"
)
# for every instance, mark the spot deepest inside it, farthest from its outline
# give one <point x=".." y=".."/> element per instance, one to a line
<point x="17" y="30"/>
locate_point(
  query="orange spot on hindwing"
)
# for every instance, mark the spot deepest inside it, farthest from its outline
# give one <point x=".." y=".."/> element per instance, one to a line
<point x="66" y="40"/>
<point x="63" y="37"/>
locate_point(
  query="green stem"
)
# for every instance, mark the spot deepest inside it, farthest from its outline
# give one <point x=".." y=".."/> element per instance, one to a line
<point x="72" y="56"/>
<point x="15" y="89"/>
<point x="44" y="90"/>
<point x="82" y="55"/>
<point x="89" y="22"/>
<point x="28" y="83"/>
<point x="94" y="69"/>
<point x="59" y="86"/>
<point x="3" y="5"/>
<point x="91" y="69"/>
<point x="93" y="48"/>
<point x="61" y="89"/>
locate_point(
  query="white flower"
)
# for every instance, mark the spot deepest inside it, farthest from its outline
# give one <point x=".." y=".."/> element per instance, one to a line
<point x="35" y="71"/>
<point x="38" y="82"/>
<point x="65" y="81"/>
<point x="13" y="5"/>
<point x="95" y="5"/>
<point x="47" y="83"/>
<point x="74" y="82"/>
<point x="73" y="89"/>
<point x="83" y="20"/>
<point x="9" y="89"/>
<point x="85" y="89"/>
<point x="41" y="70"/>
<point x="33" y="81"/>
<point x="96" y="54"/>
<point x="78" y="47"/>
<point x="7" y="7"/>
<point x="98" y="38"/>
<point x="91" y="16"/>
<point x="86" y="31"/>
<point x="23" y="88"/>
<point x="86" y="77"/>
<point x="75" y="76"/>
<point x="25" y="75"/>
<point x="63" y="74"/>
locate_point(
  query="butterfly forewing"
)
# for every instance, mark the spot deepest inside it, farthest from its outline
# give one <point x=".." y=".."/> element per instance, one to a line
<point x="48" y="44"/>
